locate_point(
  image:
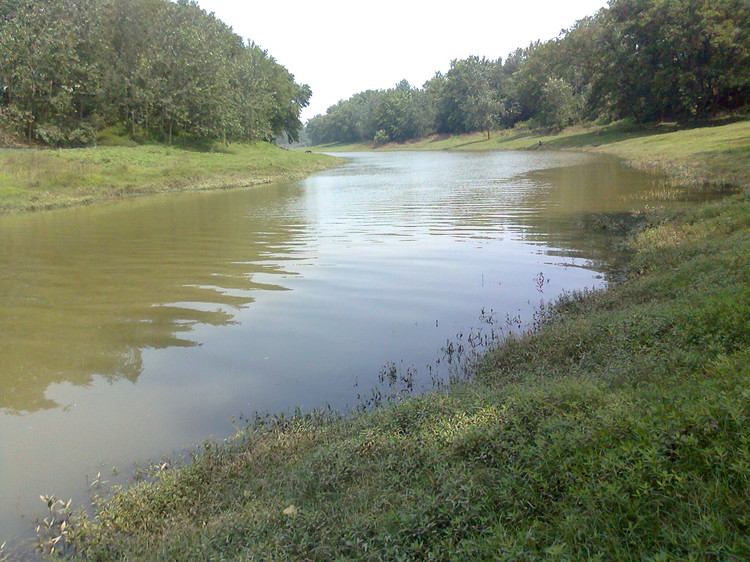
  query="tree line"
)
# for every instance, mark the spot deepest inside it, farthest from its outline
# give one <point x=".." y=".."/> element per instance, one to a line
<point x="69" y="68"/>
<point x="640" y="59"/>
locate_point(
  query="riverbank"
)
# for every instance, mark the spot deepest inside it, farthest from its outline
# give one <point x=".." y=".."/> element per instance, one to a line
<point x="712" y="156"/>
<point x="619" y="428"/>
<point x="49" y="179"/>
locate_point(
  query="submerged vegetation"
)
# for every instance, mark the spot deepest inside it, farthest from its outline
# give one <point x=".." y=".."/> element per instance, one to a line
<point x="615" y="428"/>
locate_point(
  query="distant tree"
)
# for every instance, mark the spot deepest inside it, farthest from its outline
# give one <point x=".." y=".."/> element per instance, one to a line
<point x="665" y="58"/>
<point x="396" y="115"/>
<point x="532" y="68"/>
<point x="467" y="100"/>
<point x="647" y="59"/>
<point x="69" y="67"/>
<point x="481" y="108"/>
<point x="559" y="106"/>
<point x="51" y="70"/>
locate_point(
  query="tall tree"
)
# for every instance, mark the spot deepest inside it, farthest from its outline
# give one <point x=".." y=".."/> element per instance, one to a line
<point x="50" y="69"/>
<point x="467" y="101"/>
<point x="68" y="67"/>
<point x="675" y="57"/>
<point x="482" y="108"/>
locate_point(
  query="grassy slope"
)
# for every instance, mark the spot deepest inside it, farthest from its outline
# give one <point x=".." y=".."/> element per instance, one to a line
<point x="43" y="179"/>
<point x="619" y="430"/>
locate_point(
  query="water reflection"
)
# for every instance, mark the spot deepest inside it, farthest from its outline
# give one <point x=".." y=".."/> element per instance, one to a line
<point x="576" y="208"/>
<point x="85" y="291"/>
<point x="132" y="329"/>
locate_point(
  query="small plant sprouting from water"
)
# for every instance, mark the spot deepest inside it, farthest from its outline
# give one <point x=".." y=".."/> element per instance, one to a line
<point x="461" y="354"/>
<point x="457" y="362"/>
<point x="399" y="382"/>
<point x="540" y="281"/>
<point x="53" y="532"/>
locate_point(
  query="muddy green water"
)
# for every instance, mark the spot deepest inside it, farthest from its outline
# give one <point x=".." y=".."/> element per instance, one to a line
<point x="132" y="330"/>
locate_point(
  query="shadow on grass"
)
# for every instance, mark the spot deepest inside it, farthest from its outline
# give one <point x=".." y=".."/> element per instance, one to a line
<point x="626" y="131"/>
<point x="480" y="141"/>
<point x="599" y="138"/>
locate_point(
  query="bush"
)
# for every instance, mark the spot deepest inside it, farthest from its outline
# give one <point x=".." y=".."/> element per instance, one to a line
<point x="381" y="137"/>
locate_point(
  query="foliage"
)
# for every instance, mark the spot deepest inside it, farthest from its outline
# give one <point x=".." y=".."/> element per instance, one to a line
<point x="396" y="116"/>
<point x="641" y="59"/>
<point x="72" y="67"/>
<point x="469" y="102"/>
<point x="559" y="105"/>
<point x="674" y="58"/>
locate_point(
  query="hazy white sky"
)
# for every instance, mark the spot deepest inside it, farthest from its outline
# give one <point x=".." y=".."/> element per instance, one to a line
<point x="341" y="47"/>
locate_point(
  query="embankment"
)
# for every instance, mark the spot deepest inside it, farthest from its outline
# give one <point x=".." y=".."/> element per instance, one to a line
<point x="32" y="179"/>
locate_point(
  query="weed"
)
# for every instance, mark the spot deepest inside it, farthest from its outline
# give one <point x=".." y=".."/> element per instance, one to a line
<point x="53" y="532"/>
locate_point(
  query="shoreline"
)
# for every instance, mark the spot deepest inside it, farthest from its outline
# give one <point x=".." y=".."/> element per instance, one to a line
<point x="620" y="425"/>
<point x="35" y="180"/>
<point x="712" y="155"/>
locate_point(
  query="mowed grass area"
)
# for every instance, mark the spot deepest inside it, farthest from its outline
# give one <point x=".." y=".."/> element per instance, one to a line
<point x="45" y="179"/>
<point x="616" y="429"/>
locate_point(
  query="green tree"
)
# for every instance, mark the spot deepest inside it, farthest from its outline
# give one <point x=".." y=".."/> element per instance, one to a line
<point x="51" y="71"/>
<point x="665" y="58"/>
<point x="481" y="108"/>
<point x="396" y="117"/>
<point x="559" y="106"/>
<point x="467" y="100"/>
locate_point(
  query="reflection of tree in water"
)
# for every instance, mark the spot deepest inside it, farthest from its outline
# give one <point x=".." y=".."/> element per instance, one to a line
<point x="583" y="210"/>
<point x="85" y="291"/>
<point x="572" y="205"/>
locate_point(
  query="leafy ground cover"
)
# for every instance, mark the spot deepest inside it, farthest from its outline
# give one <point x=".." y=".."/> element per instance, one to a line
<point x="45" y="179"/>
<point x="615" y="428"/>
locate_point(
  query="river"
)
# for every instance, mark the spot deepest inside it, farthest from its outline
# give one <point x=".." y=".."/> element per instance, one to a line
<point x="140" y="328"/>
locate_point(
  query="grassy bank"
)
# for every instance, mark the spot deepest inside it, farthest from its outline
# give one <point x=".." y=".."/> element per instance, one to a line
<point x="618" y="429"/>
<point x="46" y="179"/>
<point x="716" y="155"/>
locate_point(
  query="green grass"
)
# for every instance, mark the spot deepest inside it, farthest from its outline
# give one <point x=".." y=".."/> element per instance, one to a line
<point x="43" y="179"/>
<point x="618" y="429"/>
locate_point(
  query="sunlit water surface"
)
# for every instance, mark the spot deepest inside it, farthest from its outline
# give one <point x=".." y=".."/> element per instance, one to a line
<point x="133" y="330"/>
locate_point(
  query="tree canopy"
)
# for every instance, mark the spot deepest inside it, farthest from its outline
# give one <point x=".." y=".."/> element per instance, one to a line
<point x="638" y="59"/>
<point x="70" y="67"/>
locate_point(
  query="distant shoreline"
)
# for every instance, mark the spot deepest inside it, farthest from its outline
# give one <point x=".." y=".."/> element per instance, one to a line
<point x="33" y="180"/>
<point x="687" y="154"/>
